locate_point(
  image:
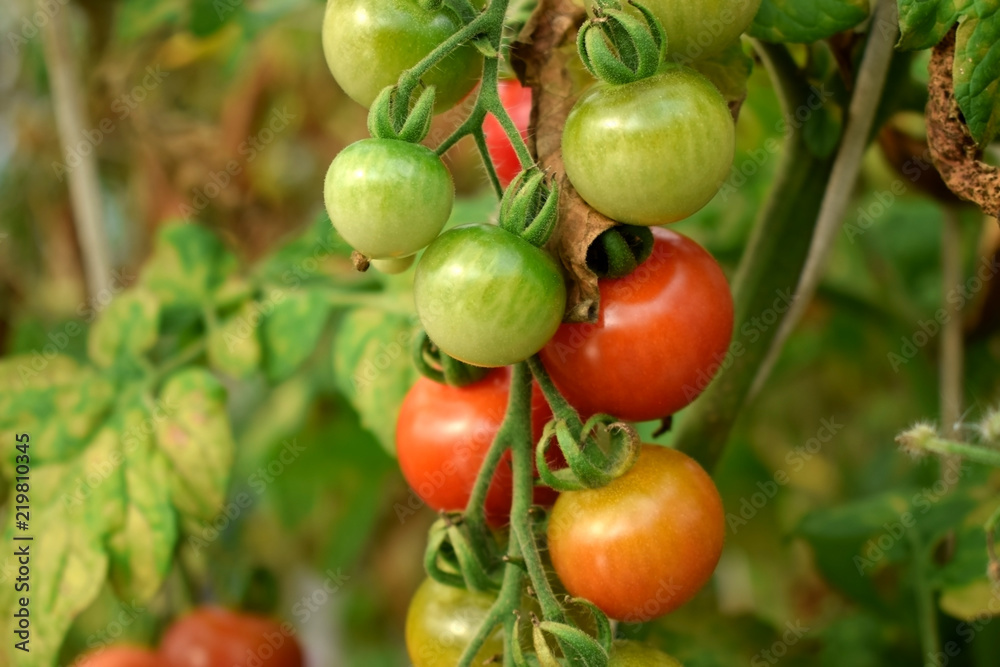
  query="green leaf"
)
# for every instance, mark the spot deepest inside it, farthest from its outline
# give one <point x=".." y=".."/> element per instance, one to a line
<point x="977" y="72"/>
<point x="292" y="330"/>
<point x="188" y="264"/>
<point x="59" y="403"/>
<point x="142" y="548"/>
<point x="197" y="440"/>
<point x="923" y="23"/>
<point x="729" y="70"/>
<point x="371" y="362"/>
<point x="855" y="520"/>
<point x="806" y="20"/>
<point x="126" y="329"/>
<point x="137" y="18"/>
<point x="208" y="16"/>
<point x="74" y="507"/>
<point x="234" y="344"/>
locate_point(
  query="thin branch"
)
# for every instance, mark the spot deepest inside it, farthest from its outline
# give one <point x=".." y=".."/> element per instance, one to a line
<point x="861" y="116"/>
<point x="84" y="186"/>
<point x="952" y="340"/>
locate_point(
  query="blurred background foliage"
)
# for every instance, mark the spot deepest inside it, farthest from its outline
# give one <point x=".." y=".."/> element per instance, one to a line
<point x="337" y="508"/>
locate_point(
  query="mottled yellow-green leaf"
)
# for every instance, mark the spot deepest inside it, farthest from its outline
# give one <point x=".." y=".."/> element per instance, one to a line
<point x="292" y="329"/>
<point x="234" y="342"/>
<point x="804" y="21"/>
<point x="188" y="264"/>
<point x="126" y="329"/>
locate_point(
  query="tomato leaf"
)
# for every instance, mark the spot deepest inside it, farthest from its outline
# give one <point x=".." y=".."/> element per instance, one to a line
<point x="126" y="329"/>
<point x="371" y="362"/>
<point x="198" y="442"/>
<point x="806" y="20"/>
<point x="292" y="330"/>
<point x="234" y="347"/>
<point x="188" y="263"/>
<point x="142" y="548"/>
<point x="923" y="23"/>
<point x="977" y="72"/>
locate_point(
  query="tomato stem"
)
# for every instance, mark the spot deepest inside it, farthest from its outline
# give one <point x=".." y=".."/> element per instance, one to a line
<point x="484" y="153"/>
<point x="561" y="408"/>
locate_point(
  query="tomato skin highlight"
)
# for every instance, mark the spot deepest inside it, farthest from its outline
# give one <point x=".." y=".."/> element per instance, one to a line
<point x="368" y="44"/>
<point x="634" y="654"/>
<point x="662" y="334"/>
<point x="215" y="636"/>
<point x="642" y="546"/>
<point x="650" y="152"/>
<point x="121" y="656"/>
<point x="487" y="297"/>
<point x="443" y="434"/>
<point x="442" y="621"/>
<point x="388" y="198"/>
<point x="516" y="100"/>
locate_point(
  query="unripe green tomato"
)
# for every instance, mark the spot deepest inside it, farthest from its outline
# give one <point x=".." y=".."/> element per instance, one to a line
<point x="634" y="654"/>
<point x="392" y="267"/>
<point x="650" y="152"/>
<point x="368" y="44"/>
<point x="388" y="198"/>
<point x="442" y="621"/>
<point x="488" y="297"/>
<point x="698" y="29"/>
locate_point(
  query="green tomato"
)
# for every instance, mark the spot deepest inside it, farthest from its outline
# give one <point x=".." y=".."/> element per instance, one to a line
<point x="395" y="266"/>
<point x="443" y="620"/>
<point x="369" y="43"/>
<point x="487" y="297"/>
<point x="634" y="654"/>
<point x="650" y="152"/>
<point x="388" y="198"/>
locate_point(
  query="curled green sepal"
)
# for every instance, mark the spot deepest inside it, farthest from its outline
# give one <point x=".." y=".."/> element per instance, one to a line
<point x="530" y="207"/>
<point x="604" y="450"/>
<point x="434" y="364"/>
<point x="605" y="635"/>
<point x="384" y="117"/>
<point x="619" y="251"/>
<point x="619" y="48"/>
<point x="452" y="560"/>
<point x="578" y="645"/>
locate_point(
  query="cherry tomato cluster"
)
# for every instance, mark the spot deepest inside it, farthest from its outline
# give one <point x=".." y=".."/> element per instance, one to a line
<point x="649" y="144"/>
<point x="207" y="637"/>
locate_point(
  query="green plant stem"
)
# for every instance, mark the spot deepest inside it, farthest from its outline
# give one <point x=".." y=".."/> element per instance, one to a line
<point x="488" y="102"/>
<point x="771" y="267"/>
<point x="507" y="602"/>
<point x="561" y="408"/>
<point x="974" y="453"/>
<point x="181" y="359"/>
<point x="484" y="153"/>
<point x="926" y="608"/>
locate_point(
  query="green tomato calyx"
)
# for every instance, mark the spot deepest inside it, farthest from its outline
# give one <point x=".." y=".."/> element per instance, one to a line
<point x="530" y="207"/>
<point x="435" y="365"/>
<point x="619" y="48"/>
<point x="390" y="118"/>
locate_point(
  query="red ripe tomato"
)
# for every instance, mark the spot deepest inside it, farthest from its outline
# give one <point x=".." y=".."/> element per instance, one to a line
<point x="643" y="545"/>
<point x="121" y="656"/>
<point x="210" y="636"/>
<point x="443" y="435"/>
<point x="517" y="101"/>
<point x="662" y="334"/>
